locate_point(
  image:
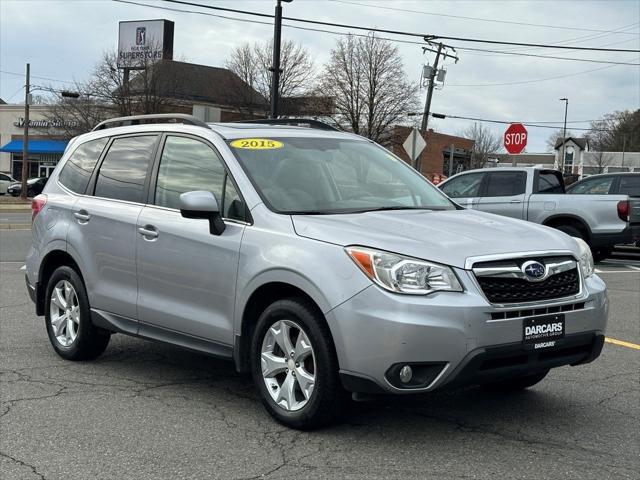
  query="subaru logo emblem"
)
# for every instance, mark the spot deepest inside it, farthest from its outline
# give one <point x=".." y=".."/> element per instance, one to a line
<point x="534" y="271"/>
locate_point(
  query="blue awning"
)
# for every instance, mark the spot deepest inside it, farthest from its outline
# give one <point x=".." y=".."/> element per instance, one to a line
<point x="36" y="146"/>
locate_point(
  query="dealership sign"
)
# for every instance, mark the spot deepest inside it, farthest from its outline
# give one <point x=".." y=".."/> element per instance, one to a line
<point x="46" y="123"/>
<point x="143" y="42"/>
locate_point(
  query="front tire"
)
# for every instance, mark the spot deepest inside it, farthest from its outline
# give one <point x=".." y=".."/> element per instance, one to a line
<point x="295" y="367"/>
<point x="67" y="317"/>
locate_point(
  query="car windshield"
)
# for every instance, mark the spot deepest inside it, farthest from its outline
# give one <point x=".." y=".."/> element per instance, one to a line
<point x="331" y="176"/>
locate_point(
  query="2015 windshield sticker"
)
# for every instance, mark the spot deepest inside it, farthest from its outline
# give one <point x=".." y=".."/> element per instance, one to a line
<point x="256" y="144"/>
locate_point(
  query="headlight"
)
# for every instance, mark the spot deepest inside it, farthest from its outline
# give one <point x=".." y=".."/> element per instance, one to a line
<point x="401" y="274"/>
<point x="585" y="257"/>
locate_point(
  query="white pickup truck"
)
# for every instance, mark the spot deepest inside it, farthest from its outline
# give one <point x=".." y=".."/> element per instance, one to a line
<point x="538" y="195"/>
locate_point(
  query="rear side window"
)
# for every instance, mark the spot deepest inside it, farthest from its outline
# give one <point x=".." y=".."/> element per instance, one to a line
<point x="548" y="182"/>
<point x="464" y="186"/>
<point x="506" y="184"/>
<point x="124" y="169"/>
<point x="593" y="186"/>
<point x="630" y="185"/>
<point x="188" y="164"/>
<point x="77" y="171"/>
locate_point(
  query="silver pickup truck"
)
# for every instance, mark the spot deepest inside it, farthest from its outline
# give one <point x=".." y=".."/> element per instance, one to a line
<point x="538" y="195"/>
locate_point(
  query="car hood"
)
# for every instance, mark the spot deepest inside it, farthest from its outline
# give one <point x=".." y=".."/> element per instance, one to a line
<point x="448" y="237"/>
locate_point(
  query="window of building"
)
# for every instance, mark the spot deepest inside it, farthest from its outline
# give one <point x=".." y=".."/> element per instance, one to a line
<point x="124" y="169"/>
<point x="188" y="164"/>
<point x="506" y="184"/>
<point x="77" y="170"/>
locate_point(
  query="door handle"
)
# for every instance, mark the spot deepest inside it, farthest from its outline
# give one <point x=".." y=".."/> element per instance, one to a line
<point x="515" y="201"/>
<point x="82" y="216"/>
<point x="149" y="232"/>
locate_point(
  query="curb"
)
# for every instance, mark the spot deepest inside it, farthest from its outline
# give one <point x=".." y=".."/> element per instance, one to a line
<point x="15" y="226"/>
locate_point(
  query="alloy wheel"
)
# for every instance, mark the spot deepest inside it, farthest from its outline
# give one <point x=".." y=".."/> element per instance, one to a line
<point x="288" y="365"/>
<point x="64" y="313"/>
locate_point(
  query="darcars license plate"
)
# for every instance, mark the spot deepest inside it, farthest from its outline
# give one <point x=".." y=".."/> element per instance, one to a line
<point x="543" y="332"/>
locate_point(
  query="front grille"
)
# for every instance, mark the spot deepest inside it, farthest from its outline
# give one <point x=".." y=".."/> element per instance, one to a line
<point x="518" y="290"/>
<point x="536" y="311"/>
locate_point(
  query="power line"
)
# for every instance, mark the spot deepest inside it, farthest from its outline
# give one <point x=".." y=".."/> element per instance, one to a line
<point x="39" y="78"/>
<point x="505" y="122"/>
<point x="333" y="32"/>
<point x="398" y="32"/>
<point x="523" y="82"/>
<point x="479" y="19"/>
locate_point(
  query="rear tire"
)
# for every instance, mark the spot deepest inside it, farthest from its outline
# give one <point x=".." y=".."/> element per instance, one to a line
<point x="68" y="320"/>
<point x="297" y="325"/>
<point x="571" y="231"/>
<point x="515" y="384"/>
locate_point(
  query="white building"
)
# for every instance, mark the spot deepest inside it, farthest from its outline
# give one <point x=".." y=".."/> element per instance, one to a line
<point x="46" y="141"/>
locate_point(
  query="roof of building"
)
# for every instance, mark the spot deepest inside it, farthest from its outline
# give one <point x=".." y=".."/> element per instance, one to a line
<point x="201" y="83"/>
<point x="581" y="142"/>
<point x="526" y="158"/>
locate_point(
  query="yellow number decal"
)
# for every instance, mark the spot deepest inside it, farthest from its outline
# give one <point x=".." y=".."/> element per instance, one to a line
<point x="256" y="144"/>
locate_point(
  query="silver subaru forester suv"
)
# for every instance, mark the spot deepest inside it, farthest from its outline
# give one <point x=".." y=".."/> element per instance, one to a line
<point x="312" y="258"/>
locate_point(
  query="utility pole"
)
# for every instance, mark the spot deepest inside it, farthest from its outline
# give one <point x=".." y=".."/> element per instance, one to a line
<point x="564" y="133"/>
<point x="275" y="68"/>
<point x="25" y="136"/>
<point x="427" y="103"/>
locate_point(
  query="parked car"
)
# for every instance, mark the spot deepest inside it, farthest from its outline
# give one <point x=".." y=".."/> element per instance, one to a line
<point x="538" y="195"/>
<point x="312" y="258"/>
<point x="608" y="184"/>
<point x="34" y="187"/>
<point x="6" y="181"/>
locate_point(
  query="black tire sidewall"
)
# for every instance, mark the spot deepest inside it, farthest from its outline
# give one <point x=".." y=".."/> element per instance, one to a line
<point x="571" y="231"/>
<point x="326" y="389"/>
<point x="86" y="331"/>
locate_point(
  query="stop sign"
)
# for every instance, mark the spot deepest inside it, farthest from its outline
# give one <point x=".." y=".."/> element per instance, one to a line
<point x="515" y="138"/>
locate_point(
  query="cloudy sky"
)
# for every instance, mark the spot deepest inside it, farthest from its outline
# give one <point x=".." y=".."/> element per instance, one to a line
<point x="62" y="39"/>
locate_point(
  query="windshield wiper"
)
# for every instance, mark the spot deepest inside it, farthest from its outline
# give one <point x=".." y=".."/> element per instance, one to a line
<point x="394" y="207"/>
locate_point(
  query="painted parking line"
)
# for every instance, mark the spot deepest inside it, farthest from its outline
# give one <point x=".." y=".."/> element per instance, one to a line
<point x="622" y="343"/>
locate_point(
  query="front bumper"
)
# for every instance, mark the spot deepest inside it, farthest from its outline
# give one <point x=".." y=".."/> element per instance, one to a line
<point x="377" y="330"/>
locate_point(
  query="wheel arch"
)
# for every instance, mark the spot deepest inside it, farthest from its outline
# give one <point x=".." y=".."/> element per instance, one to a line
<point x="570" y="220"/>
<point x="259" y="299"/>
<point x="52" y="260"/>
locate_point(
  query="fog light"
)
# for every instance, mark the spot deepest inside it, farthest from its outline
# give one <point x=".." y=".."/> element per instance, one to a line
<point x="406" y="374"/>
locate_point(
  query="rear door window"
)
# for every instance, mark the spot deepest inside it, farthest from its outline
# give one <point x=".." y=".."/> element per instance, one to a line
<point x="629" y="185"/>
<point x="123" y="172"/>
<point x="593" y="186"/>
<point x="464" y="186"/>
<point x="77" y="171"/>
<point x="506" y="184"/>
<point x="548" y="182"/>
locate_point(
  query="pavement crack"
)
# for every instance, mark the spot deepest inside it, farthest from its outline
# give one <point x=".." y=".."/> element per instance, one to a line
<point x="33" y="468"/>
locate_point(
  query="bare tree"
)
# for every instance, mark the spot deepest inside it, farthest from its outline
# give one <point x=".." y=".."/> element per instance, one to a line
<point x="486" y="143"/>
<point x="107" y="93"/>
<point x="366" y="78"/>
<point x="252" y="63"/>
<point x="616" y="132"/>
<point x="600" y="160"/>
<point x="553" y="139"/>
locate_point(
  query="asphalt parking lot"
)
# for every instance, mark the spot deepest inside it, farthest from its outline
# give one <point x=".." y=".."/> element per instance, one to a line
<point x="146" y="410"/>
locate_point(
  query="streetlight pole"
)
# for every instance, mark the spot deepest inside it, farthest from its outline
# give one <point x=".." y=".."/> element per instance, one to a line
<point x="564" y="130"/>
<point x="25" y="136"/>
<point x="275" y="69"/>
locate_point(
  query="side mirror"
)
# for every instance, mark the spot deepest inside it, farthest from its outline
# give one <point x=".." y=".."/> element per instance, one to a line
<point x="202" y="204"/>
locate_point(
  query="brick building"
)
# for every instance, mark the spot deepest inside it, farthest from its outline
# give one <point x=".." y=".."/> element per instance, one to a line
<point x="434" y="159"/>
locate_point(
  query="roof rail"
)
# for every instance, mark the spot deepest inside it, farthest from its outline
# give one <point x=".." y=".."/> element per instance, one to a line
<point x="154" y="118"/>
<point x="293" y="122"/>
